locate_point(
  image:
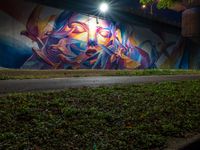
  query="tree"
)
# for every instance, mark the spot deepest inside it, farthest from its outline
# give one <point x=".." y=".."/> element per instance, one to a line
<point x="160" y="3"/>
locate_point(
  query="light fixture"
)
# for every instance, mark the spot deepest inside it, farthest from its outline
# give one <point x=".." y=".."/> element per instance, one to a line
<point x="103" y="7"/>
<point x="143" y="6"/>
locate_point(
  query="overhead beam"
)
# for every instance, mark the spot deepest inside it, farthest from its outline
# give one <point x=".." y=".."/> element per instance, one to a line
<point x="119" y="14"/>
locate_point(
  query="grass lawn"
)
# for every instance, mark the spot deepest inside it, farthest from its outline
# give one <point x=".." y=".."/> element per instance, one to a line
<point x="6" y="74"/>
<point x="117" y="117"/>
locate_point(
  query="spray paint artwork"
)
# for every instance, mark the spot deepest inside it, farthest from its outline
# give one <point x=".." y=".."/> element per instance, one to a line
<point x="72" y="40"/>
<point x="39" y="37"/>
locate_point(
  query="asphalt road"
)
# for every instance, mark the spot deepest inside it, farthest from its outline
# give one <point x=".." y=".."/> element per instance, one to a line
<point x="7" y="86"/>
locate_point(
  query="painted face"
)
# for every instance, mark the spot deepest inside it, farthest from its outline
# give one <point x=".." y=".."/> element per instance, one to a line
<point x="77" y="41"/>
<point x="90" y="30"/>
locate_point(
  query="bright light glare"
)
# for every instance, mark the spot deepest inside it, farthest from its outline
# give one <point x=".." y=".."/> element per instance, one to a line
<point x="103" y="7"/>
<point x="143" y="6"/>
<point x="92" y="23"/>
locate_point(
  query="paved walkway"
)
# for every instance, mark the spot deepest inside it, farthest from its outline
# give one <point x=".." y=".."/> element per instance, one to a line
<point x="7" y="86"/>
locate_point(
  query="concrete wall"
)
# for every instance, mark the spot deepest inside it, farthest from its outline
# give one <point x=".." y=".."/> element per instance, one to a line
<point x="39" y="37"/>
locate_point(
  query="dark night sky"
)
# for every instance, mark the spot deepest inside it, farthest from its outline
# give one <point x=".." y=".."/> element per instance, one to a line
<point x="89" y="6"/>
<point x="166" y="13"/>
<point x="134" y="4"/>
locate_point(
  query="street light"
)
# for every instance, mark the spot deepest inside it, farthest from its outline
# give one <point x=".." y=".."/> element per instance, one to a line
<point x="151" y="6"/>
<point x="143" y="6"/>
<point x="103" y="7"/>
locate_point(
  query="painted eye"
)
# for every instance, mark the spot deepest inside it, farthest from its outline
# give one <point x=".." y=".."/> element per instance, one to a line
<point x="105" y="33"/>
<point x="77" y="28"/>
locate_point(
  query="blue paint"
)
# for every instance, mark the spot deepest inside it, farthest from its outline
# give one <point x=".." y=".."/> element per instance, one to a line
<point x="13" y="54"/>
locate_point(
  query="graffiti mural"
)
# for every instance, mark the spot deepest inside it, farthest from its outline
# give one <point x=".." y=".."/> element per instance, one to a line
<point x="72" y="40"/>
<point x="48" y="38"/>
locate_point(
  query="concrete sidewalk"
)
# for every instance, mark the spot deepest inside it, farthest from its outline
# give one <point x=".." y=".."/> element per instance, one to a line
<point x="7" y="86"/>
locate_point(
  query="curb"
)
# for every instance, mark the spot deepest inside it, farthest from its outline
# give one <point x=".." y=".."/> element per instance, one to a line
<point x="188" y="143"/>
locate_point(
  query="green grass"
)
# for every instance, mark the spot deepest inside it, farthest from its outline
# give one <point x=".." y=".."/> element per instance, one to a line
<point x="35" y="74"/>
<point x="118" y="117"/>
